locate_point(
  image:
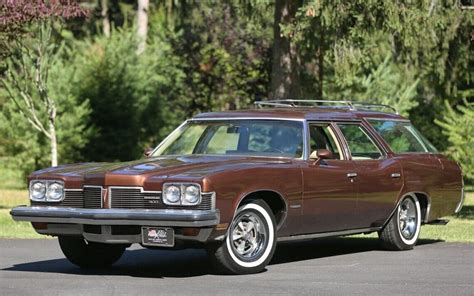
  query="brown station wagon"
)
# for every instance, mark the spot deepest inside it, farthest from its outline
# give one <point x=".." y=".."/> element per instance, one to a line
<point x="238" y="182"/>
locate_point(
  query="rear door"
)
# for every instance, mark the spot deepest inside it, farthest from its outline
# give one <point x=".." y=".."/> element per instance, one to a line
<point x="378" y="178"/>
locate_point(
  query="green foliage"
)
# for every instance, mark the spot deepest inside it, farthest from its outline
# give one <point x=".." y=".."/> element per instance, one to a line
<point x="217" y="55"/>
<point x="458" y="126"/>
<point x="131" y="95"/>
<point x="386" y="84"/>
<point x="409" y="54"/>
<point x="23" y="146"/>
<point x="225" y="51"/>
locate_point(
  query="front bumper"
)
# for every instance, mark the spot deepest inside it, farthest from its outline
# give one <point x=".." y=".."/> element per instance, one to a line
<point x="101" y="225"/>
<point x="173" y="218"/>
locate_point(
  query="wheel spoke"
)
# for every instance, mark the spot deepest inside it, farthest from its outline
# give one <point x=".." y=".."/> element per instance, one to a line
<point x="241" y="226"/>
<point x="241" y="246"/>
<point x="248" y="236"/>
<point x="407" y="218"/>
<point x="250" y="226"/>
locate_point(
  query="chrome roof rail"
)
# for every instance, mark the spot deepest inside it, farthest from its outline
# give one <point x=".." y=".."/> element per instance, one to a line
<point x="354" y="106"/>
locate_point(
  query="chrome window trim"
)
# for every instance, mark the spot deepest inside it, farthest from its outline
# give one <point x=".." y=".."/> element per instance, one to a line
<point x="415" y="135"/>
<point x="377" y="145"/>
<point x="387" y="119"/>
<point x="169" y="136"/>
<point x="330" y="125"/>
<point x="246" y="118"/>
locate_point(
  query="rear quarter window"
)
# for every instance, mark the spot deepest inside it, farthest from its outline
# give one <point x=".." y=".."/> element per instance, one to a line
<point x="401" y="136"/>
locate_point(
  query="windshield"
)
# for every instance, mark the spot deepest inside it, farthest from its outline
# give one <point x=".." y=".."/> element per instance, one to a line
<point x="275" y="138"/>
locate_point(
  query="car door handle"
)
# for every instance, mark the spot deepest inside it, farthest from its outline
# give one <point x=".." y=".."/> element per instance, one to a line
<point x="351" y="175"/>
<point x="395" y="175"/>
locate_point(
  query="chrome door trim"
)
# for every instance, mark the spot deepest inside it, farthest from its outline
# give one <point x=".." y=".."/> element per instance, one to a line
<point x="327" y="234"/>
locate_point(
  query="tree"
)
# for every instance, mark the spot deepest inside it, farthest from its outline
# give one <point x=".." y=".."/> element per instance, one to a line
<point x="142" y="24"/>
<point x="286" y="65"/>
<point x="104" y="5"/>
<point x="28" y="66"/>
<point x="458" y="126"/>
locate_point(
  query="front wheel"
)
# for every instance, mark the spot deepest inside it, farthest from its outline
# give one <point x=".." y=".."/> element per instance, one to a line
<point x="403" y="229"/>
<point x="90" y="254"/>
<point x="250" y="241"/>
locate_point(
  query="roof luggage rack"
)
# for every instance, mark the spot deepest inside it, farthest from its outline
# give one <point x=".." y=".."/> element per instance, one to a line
<point x="320" y="104"/>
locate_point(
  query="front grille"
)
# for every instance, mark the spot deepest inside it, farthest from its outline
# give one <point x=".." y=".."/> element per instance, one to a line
<point x="123" y="198"/>
<point x="134" y="198"/>
<point x="72" y="199"/>
<point x="92" y="197"/>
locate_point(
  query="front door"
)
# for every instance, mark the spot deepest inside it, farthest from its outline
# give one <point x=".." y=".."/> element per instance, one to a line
<point x="330" y="198"/>
<point x="378" y="178"/>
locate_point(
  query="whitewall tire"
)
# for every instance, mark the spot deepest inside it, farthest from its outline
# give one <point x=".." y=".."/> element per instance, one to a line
<point x="250" y="241"/>
<point x="403" y="229"/>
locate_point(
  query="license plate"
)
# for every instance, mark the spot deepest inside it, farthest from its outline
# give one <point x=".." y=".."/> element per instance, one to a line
<point x="156" y="236"/>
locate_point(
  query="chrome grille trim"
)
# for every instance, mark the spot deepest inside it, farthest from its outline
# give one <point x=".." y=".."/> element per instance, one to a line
<point x="122" y="197"/>
<point x="73" y="199"/>
<point x="92" y="196"/>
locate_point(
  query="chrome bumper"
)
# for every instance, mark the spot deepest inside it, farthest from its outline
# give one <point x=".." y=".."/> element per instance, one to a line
<point x="173" y="218"/>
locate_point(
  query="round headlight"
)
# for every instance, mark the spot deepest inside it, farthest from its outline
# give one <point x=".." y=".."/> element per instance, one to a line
<point x="55" y="192"/>
<point x="172" y="194"/>
<point x="192" y="194"/>
<point x="37" y="191"/>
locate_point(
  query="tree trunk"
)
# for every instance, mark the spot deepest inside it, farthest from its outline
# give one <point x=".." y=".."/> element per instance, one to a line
<point x="285" y="78"/>
<point x="54" y="143"/>
<point x="105" y="17"/>
<point x="320" y="57"/>
<point x="142" y="24"/>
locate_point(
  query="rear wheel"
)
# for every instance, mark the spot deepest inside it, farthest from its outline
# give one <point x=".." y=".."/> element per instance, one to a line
<point x="250" y="241"/>
<point x="90" y="254"/>
<point x="403" y="229"/>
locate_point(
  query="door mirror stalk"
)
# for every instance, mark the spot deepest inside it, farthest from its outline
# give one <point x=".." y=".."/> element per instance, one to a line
<point x="320" y="154"/>
<point x="147" y="152"/>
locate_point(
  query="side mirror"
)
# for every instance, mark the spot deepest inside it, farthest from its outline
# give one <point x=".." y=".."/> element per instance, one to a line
<point x="321" y="154"/>
<point x="147" y="152"/>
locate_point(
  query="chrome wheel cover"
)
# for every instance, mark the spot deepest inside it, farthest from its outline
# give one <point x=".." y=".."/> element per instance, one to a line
<point x="249" y="236"/>
<point x="407" y="218"/>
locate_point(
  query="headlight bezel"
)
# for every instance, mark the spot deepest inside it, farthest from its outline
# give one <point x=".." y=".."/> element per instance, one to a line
<point x="182" y="201"/>
<point x="46" y="197"/>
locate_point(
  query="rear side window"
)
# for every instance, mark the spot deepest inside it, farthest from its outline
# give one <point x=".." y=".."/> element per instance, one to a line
<point x="360" y="144"/>
<point x="401" y="136"/>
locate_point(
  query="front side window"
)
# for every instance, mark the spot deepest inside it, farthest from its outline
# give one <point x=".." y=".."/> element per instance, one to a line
<point x="236" y="137"/>
<point x="401" y="136"/>
<point x="322" y="137"/>
<point x="360" y="144"/>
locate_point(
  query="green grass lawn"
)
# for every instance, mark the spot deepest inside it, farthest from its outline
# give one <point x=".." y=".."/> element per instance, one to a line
<point x="459" y="229"/>
<point x="8" y="227"/>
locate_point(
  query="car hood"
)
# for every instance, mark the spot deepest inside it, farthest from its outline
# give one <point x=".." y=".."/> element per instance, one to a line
<point x="150" y="170"/>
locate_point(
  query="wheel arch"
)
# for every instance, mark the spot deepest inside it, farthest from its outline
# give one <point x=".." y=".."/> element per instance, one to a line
<point x="273" y="198"/>
<point x="425" y="205"/>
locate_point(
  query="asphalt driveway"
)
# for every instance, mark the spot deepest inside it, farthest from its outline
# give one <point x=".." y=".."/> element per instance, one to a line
<point x="342" y="266"/>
